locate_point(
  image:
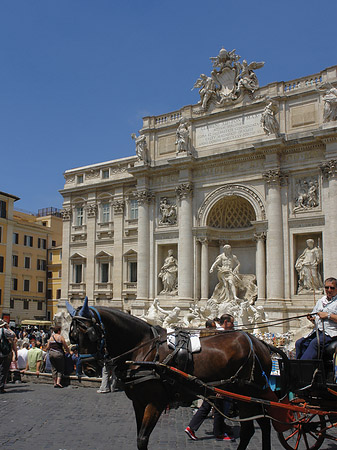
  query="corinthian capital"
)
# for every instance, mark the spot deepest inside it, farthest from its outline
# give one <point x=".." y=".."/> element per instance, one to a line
<point x="329" y="168"/>
<point x="144" y="196"/>
<point x="275" y="176"/>
<point x="118" y="206"/>
<point x="184" y="190"/>
<point x="66" y="214"/>
<point x="260" y="236"/>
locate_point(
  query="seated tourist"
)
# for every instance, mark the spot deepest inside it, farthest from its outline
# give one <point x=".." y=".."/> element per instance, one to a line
<point x="324" y="315"/>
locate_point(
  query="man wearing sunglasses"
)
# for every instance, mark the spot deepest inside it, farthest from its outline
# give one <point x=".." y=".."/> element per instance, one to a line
<point x="324" y="315"/>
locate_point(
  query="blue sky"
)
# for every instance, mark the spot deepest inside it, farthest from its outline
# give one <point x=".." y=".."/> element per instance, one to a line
<point x="77" y="76"/>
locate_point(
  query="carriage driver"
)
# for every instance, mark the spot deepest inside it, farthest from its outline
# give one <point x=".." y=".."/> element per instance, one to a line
<point x="324" y="315"/>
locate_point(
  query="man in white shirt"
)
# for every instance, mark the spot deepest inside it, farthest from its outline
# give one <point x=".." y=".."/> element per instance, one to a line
<point x="22" y="356"/>
<point x="324" y="315"/>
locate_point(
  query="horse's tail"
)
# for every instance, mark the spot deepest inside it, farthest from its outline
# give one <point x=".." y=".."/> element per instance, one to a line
<point x="284" y="370"/>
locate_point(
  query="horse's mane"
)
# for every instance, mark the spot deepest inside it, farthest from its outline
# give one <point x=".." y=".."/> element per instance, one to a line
<point x="126" y="320"/>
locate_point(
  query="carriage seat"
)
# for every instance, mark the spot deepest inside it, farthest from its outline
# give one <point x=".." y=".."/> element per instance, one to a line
<point x="330" y="349"/>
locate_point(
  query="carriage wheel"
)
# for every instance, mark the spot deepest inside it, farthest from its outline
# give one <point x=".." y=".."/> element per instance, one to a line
<point x="305" y="434"/>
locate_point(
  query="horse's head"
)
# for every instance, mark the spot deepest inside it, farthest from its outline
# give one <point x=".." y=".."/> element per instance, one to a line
<point x="87" y="332"/>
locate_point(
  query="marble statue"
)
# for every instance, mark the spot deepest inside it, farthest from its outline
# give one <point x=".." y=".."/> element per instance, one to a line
<point x="207" y="89"/>
<point x="330" y="102"/>
<point x="247" y="79"/>
<point x="228" y="267"/>
<point x="229" y="80"/>
<point x="183" y="137"/>
<point x="141" y="148"/>
<point x="171" y="318"/>
<point x="153" y="316"/>
<point x="309" y="278"/>
<point x="63" y="319"/>
<point x="307" y="194"/>
<point x="168" y="212"/>
<point x="169" y="274"/>
<point x="268" y="119"/>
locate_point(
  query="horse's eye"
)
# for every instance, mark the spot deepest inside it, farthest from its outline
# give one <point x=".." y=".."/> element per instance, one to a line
<point x="92" y="335"/>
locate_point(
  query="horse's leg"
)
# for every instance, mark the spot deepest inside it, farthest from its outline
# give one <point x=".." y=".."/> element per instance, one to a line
<point x="266" y="432"/>
<point x="246" y="433"/>
<point x="146" y="418"/>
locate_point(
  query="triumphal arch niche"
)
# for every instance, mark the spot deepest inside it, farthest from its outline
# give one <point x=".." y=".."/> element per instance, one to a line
<point x="246" y="175"/>
<point x="233" y="215"/>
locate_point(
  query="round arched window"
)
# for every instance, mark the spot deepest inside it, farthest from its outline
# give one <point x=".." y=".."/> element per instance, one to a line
<point x="231" y="212"/>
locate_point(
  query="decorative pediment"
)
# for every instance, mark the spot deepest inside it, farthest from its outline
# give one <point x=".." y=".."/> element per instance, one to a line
<point x="77" y="256"/>
<point x="130" y="252"/>
<point x="104" y="254"/>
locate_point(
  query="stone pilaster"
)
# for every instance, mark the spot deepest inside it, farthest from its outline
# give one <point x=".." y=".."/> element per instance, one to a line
<point x="260" y="239"/>
<point x="185" y="246"/>
<point x="144" y="198"/>
<point x="204" y="276"/>
<point x="275" y="263"/>
<point x="329" y="171"/>
<point x="66" y="233"/>
<point x="118" y="206"/>
<point x="90" y="276"/>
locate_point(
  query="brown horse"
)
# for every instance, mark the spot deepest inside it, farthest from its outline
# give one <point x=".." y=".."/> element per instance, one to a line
<point x="232" y="360"/>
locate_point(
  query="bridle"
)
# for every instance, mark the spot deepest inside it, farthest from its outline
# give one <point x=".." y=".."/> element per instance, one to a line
<point x="96" y="333"/>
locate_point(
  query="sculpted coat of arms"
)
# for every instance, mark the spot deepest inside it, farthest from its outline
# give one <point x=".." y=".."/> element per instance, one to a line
<point x="229" y="80"/>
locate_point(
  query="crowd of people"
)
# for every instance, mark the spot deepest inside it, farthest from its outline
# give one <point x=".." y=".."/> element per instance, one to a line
<point x="36" y="350"/>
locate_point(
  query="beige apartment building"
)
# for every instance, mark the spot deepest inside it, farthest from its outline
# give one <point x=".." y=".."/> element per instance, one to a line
<point x="249" y="166"/>
<point x="28" y="239"/>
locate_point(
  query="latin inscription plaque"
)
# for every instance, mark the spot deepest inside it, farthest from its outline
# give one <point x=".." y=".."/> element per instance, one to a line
<point x="229" y="130"/>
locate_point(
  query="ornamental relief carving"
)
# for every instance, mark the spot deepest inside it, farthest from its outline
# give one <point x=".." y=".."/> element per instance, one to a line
<point x="66" y="214"/>
<point x="92" y="174"/>
<point x="118" y="206"/>
<point x="91" y="209"/>
<point x="306" y="194"/>
<point x="168" y="212"/>
<point x="70" y="180"/>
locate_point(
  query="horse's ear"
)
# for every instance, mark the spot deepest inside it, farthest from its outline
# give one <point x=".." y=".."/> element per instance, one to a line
<point x="71" y="310"/>
<point x="85" y="311"/>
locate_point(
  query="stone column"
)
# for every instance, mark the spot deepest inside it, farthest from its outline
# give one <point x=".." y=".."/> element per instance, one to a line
<point x="144" y="198"/>
<point x="90" y="272"/>
<point x="329" y="170"/>
<point x="260" y="265"/>
<point x="185" y="246"/>
<point x="204" y="276"/>
<point x="275" y="263"/>
<point x="66" y="232"/>
<point x="117" y="278"/>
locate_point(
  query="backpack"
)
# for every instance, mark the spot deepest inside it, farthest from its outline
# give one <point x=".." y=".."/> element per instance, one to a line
<point x="5" y="346"/>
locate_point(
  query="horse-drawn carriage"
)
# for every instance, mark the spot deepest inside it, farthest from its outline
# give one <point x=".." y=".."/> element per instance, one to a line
<point x="234" y="364"/>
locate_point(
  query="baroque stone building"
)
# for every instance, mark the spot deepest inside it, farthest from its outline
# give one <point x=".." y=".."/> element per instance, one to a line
<point x="253" y="167"/>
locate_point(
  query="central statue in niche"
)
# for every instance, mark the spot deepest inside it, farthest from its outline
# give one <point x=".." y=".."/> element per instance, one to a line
<point x="232" y="286"/>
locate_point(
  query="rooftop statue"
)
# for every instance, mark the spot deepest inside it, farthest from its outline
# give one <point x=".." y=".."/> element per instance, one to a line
<point x="142" y="151"/>
<point x="268" y="119"/>
<point x="330" y="102"/>
<point x="229" y="80"/>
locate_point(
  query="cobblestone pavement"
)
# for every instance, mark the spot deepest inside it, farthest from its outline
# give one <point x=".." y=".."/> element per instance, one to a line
<point x="38" y="417"/>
